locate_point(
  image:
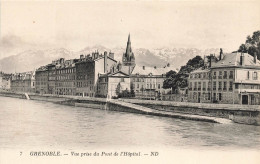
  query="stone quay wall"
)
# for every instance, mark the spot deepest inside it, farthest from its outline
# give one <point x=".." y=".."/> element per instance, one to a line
<point x="237" y="113"/>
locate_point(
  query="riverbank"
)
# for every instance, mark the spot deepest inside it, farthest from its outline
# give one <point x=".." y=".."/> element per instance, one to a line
<point x="220" y="113"/>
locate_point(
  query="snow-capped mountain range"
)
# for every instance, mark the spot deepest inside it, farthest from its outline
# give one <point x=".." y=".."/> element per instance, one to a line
<point x="32" y="59"/>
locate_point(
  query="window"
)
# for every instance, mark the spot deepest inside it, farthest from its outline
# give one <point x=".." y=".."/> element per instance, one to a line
<point x="209" y="86"/>
<point x="255" y="76"/>
<point x="225" y="74"/>
<point x="214" y="85"/>
<point x="195" y="86"/>
<point x="214" y="96"/>
<point x="225" y="85"/>
<point x="220" y="75"/>
<point x="190" y="86"/>
<point x="199" y="85"/>
<point x="248" y="75"/>
<point x="204" y="86"/>
<point x="230" y="85"/>
<point x="236" y="86"/>
<point x="219" y="96"/>
<point x="122" y="80"/>
<point x="214" y="75"/>
<point x="219" y="85"/>
<point x="159" y="86"/>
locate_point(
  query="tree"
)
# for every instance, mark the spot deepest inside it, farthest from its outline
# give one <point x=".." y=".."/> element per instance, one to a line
<point x="252" y="45"/>
<point x="118" y="89"/>
<point x="171" y="73"/>
<point x="179" y="80"/>
<point x="132" y="91"/>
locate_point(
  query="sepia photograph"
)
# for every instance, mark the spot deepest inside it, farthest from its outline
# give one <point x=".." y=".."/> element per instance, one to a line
<point x="172" y="82"/>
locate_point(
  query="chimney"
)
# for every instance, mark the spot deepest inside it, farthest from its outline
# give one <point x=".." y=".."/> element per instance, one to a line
<point x="111" y="55"/>
<point x="221" y="54"/>
<point x="205" y="62"/>
<point x="143" y="67"/>
<point x="81" y="56"/>
<point x="242" y="59"/>
<point x="210" y="60"/>
<point x="105" y="62"/>
<point x="61" y="60"/>
<point x="97" y="56"/>
<point x="255" y="58"/>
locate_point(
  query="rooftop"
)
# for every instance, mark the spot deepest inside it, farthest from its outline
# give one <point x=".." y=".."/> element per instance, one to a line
<point x="141" y="70"/>
<point x="201" y="70"/>
<point x="233" y="59"/>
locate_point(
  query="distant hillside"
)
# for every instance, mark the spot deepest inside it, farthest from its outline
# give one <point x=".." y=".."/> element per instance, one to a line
<point x="32" y="59"/>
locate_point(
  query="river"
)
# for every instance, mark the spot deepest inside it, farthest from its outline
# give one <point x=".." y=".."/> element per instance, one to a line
<point x="29" y="124"/>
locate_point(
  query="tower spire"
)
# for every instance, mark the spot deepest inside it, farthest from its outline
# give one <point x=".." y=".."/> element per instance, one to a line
<point x="128" y="56"/>
<point x="128" y="46"/>
<point x="129" y="38"/>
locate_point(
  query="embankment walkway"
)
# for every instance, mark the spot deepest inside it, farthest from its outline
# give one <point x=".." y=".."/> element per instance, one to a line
<point x="154" y="112"/>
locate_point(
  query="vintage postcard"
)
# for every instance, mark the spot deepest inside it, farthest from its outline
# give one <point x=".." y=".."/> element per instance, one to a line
<point x="170" y="82"/>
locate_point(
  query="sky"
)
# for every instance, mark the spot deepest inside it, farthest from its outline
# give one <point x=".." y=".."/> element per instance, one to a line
<point x="76" y="25"/>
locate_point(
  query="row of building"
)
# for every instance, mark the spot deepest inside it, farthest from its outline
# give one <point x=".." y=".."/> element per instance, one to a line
<point x="94" y="75"/>
<point x="230" y="78"/>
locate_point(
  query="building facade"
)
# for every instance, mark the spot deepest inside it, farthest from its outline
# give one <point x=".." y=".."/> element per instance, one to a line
<point x="233" y="79"/>
<point x="5" y="81"/>
<point x="23" y="82"/>
<point x="113" y="84"/>
<point x="199" y="86"/>
<point x="88" y="70"/>
<point x="65" y="73"/>
<point x="147" y="82"/>
<point x="41" y="80"/>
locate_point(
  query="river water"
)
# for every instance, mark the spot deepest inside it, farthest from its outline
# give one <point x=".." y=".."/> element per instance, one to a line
<point x="29" y="124"/>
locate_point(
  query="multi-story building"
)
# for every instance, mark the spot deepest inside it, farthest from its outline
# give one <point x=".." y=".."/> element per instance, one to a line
<point x="233" y="78"/>
<point x="5" y="81"/>
<point x="52" y="76"/>
<point x="41" y="80"/>
<point x="23" y="82"/>
<point x="88" y="70"/>
<point x="147" y="82"/>
<point x="200" y="86"/>
<point x="112" y="84"/>
<point x="65" y="72"/>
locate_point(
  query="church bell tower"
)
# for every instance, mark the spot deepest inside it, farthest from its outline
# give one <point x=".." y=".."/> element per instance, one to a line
<point x="128" y="57"/>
